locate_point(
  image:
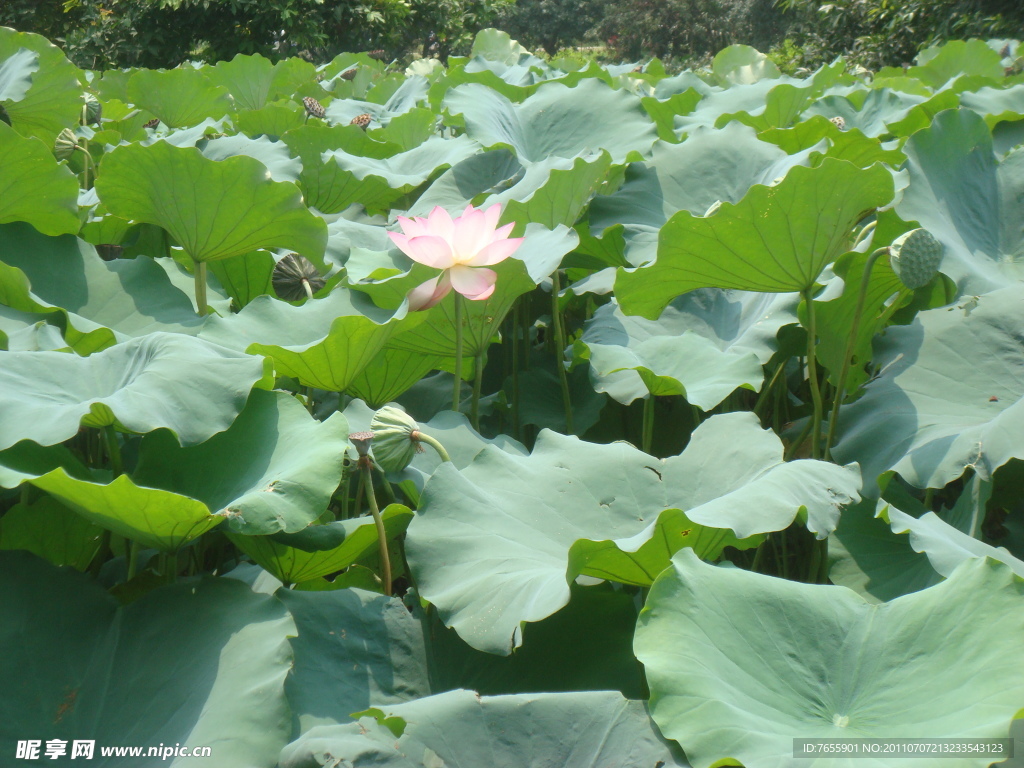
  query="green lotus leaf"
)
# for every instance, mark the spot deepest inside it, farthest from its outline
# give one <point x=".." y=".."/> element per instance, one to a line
<point x="868" y="558"/>
<point x="410" y="129"/>
<point x="273" y="120"/>
<point x="28" y="332"/>
<point x="883" y="111"/>
<point x="387" y="98"/>
<point x="273" y="154"/>
<point x="705" y="345"/>
<point x="62" y="634"/>
<point x="324" y="343"/>
<point x="950" y="402"/>
<point x="53" y="101"/>
<point x="213" y="209"/>
<point x="945" y="546"/>
<point x="557" y="120"/>
<point x="820" y="662"/>
<point x="141" y="385"/>
<point x="356" y="538"/>
<point x="34" y="187"/>
<point x="752" y="245"/>
<point x="49" y="530"/>
<point x="290" y="75"/>
<point x="354" y="649"/>
<point x="391" y="373"/>
<point x="996" y="104"/>
<point x="718" y="101"/>
<point x="741" y="65"/>
<point x="482" y="174"/>
<point x="245" y="277"/>
<point x="376" y="183"/>
<point x="247" y="78"/>
<point x="99" y="302"/>
<point x="462" y="728"/>
<point x="940" y="64"/>
<point x="179" y="97"/>
<point x="960" y="194"/>
<point x="515" y="563"/>
<point x="847" y="144"/>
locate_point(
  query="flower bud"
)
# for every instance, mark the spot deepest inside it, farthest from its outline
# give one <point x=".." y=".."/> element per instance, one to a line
<point x="394" y="444"/>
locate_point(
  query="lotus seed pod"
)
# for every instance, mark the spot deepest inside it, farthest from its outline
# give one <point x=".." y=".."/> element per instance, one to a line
<point x="363" y="120"/>
<point x="349" y="74"/>
<point x="296" y="277"/>
<point x="393" y="443"/>
<point x="915" y="257"/>
<point x="65" y="145"/>
<point x="151" y="123"/>
<point x="361" y="440"/>
<point x="93" y="109"/>
<point x="313" y="107"/>
<point x="838" y="122"/>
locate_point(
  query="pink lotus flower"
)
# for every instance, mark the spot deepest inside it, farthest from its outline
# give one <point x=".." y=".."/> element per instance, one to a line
<point x="463" y="248"/>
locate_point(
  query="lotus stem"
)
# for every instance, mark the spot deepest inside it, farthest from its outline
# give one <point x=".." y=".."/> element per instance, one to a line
<point x="563" y="376"/>
<point x="851" y="342"/>
<point x="865" y="233"/>
<point x="457" y="389"/>
<point x="308" y="288"/>
<point x="765" y="392"/>
<point x="87" y="164"/>
<point x="423" y="437"/>
<point x="113" y="450"/>
<point x="812" y="376"/>
<point x="382" y="538"/>
<point x="199" y="270"/>
<point x="648" y="427"/>
<point x="516" y="325"/>
<point x="478" y="378"/>
<point x="133" y="559"/>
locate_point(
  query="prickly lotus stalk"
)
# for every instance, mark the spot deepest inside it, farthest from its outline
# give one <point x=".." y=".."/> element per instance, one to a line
<point x="915" y="257"/>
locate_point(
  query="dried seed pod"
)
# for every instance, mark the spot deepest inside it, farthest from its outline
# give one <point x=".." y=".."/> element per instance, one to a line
<point x="380" y="54"/>
<point x="109" y="251"/>
<point x="65" y="145"/>
<point x="93" y="109"/>
<point x="152" y="123"/>
<point x="361" y="440"/>
<point x="296" y="277"/>
<point x="362" y="120"/>
<point x="349" y="74"/>
<point x="838" y="122"/>
<point x="915" y="257"/>
<point x="313" y="107"/>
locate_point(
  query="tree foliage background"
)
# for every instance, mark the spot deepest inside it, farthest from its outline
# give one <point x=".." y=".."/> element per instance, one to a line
<point x="99" y="34"/>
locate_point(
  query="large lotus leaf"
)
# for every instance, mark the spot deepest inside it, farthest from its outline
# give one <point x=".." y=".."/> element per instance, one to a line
<point x="867" y="557"/>
<point x="410" y="129"/>
<point x="847" y="144"/>
<point x="498" y="543"/>
<point x="273" y="154"/>
<point x="16" y="74"/>
<point x="323" y="343"/>
<point x="198" y="663"/>
<point x="53" y="102"/>
<point x="996" y="104"/>
<point x="34" y="187"/>
<point x="273" y="120"/>
<point x="705" y="345"/>
<point x="391" y="373"/>
<point x="741" y="65"/>
<point x="470" y="180"/>
<point x="50" y="530"/>
<point x="948" y="397"/>
<point x="273" y="470"/>
<point x="946" y="546"/>
<point x="776" y="239"/>
<point x="354" y="649"/>
<point x="542" y="730"/>
<point x="213" y="209"/>
<point x="940" y="64"/>
<point x="882" y="111"/>
<point x="28" y="332"/>
<point x="179" y="97"/>
<point x="352" y="540"/>
<point x="142" y="385"/>
<point x="377" y="182"/>
<point x="245" y="277"/>
<point x="960" y="194"/>
<point x="100" y="302"/>
<point x="557" y="120"/>
<point x="819" y="662"/>
<point x="537" y="257"/>
<point x="710" y="166"/>
<point x="247" y="78"/>
<point x="781" y="107"/>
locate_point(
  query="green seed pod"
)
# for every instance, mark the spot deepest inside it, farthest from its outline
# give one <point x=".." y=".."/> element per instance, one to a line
<point x="66" y="144"/>
<point x="393" y="443"/>
<point x="915" y="257"/>
<point x="93" y="109"/>
<point x="295" y="277"/>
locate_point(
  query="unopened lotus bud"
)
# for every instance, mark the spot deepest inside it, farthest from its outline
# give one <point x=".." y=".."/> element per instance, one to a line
<point x="915" y="257"/>
<point x="65" y="145"/>
<point x="394" y="438"/>
<point x="93" y="109"/>
<point x="296" y="277"/>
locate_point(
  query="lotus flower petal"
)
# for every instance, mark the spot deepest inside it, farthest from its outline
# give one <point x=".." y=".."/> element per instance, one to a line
<point x="427" y="294"/>
<point x="440" y="223"/>
<point x="431" y="250"/>
<point x="496" y="252"/>
<point x="474" y="284"/>
<point x="471" y="234"/>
